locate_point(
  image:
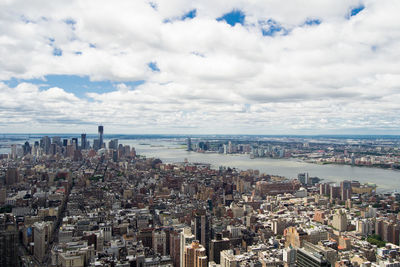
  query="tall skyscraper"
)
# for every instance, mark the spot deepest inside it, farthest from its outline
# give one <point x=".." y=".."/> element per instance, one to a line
<point x="27" y="148"/>
<point x="345" y="190"/>
<point x="189" y="144"/>
<point x="45" y="144"/>
<point x="101" y="131"/>
<point x="8" y="241"/>
<point x="202" y="229"/>
<point x="83" y="141"/>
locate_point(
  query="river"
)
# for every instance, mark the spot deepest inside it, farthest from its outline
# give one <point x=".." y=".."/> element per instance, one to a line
<point x="172" y="150"/>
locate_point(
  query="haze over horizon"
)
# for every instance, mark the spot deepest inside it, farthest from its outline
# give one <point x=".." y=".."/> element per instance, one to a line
<point x="200" y="67"/>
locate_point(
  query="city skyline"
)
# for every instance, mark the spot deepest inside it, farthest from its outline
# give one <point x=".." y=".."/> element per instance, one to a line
<point x="231" y="67"/>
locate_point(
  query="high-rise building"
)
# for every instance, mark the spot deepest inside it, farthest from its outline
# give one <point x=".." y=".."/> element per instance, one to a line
<point x="13" y="151"/>
<point x="216" y="246"/>
<point x="101" y="132"/>
<point x="195" y="255"/>
<point x="11" y="176"/>
<point x="174" y="247"/>
<point x="189" y="144"/>
<point x="83" y="141"/>
<point x="228" y="259"/>
<point x="159" y="239"/>
<point x="202" y="229"/>
<point x="289" y="257"/>
<point x="45" y="144"/>
<point x="8" y="241"/>
<point x="334" y="192"/>
<point x="186" y="238"/>
<point x="41" y="239"/>
<point x="53" y="149"/>
<point x="27" y="148"/>
<point x="309" y="259"/>
<point x="56" y="140"/>
<point x="339" y="221"/>
<point x="113" y="144"/>
<point x="345" y="190"/>
<point x="3" y="195"/>
<point x="75" y="142"/>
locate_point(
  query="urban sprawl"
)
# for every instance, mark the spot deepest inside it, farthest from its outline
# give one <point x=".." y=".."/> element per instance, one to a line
<point x="69" y="203"/>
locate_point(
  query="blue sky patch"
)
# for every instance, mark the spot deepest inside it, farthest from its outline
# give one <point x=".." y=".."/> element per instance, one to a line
<point x="70" y="22"/>
<point x="153" y="5"/>
<point x="312" y="22"/>
<point x="57" y="52"/>
<point x="78" y="85"/>
<point x="233" y="17"/>
<point x="153" y="66"/>
<point x="189" y="15"/>
<point x="271" y="27"/>
<point x="354" y="11"/>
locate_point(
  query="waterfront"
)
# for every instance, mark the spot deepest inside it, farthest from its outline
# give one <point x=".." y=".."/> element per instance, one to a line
<point x="172" y="151"/>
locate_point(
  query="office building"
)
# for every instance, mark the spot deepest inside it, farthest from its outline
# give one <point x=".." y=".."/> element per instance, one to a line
<point x="8" y="241"/>
<point x="186" y="238"/>
<point x="216" y="246"/>
<point x="41" y="239"/>
<point x="305" y="258"/>
<point x="195" y="255"/>
<point x="202" y="229"/>
<point x="345" y="190"/>
<point x="339" y="221"/>
<point x="45" y="144"/>
<point x="189" y="144"/>
<point x="289" y="257"/>
<point x="83" y="141"/>
<point x="228" y="259"/>
<point x="113" y="144"/>
<point x="11" y="176"/>
<point x="75" y="143"/>
<point x="101" y="132"/>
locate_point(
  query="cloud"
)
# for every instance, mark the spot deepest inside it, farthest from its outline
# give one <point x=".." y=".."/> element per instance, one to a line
<point x="315" y="66"/>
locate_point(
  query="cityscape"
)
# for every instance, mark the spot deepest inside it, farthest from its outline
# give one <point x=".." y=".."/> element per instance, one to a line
<point x="88" y="202"/>
<point x="213" y="133"/>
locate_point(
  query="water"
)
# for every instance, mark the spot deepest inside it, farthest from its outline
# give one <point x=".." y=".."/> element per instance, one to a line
<point x="173" y="150"/>
<point x="170" y="152"/>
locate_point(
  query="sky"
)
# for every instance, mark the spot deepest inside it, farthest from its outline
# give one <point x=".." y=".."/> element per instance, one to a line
<point x="200" y="67"/>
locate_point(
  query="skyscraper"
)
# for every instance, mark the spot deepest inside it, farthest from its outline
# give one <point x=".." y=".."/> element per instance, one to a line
<point x="8" y="241"/>
<point x="101" y="131"/>
<point x="83" y="141"/>
<point x="202" y="229"/>
<point x="345" y="190"/>
<point x="189" y="144"/>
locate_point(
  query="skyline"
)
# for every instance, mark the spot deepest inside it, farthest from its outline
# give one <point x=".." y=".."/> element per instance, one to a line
<point x="181" y="67"/>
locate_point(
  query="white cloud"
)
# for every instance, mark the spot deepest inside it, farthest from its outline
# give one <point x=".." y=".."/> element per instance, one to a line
<point x="341" y="75"/>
